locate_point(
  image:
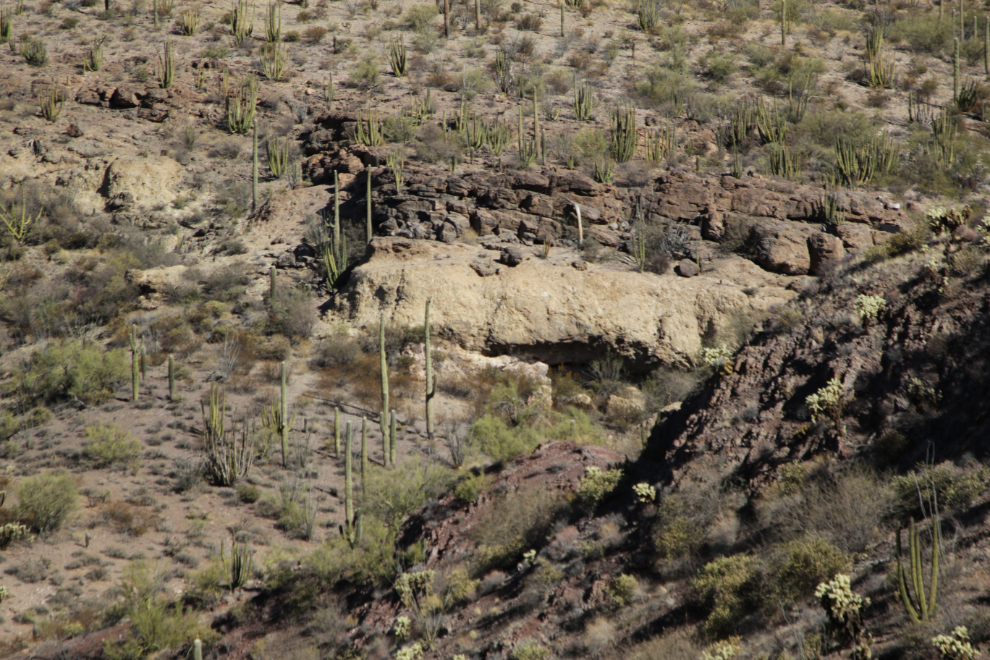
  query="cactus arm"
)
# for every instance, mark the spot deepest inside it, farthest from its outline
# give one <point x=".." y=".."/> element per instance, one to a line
<point x="936" y="543"/>
<point x="348" y="476"/>
<point x="391" y="442"/>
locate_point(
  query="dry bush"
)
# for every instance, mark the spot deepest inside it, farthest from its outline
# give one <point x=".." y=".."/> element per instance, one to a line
<point x="362" y="377"/>
<point x="845" y="508"/>
<point x="130" y="519"/>
<point x="512" y="524"/>
<point x="677" y="645"/>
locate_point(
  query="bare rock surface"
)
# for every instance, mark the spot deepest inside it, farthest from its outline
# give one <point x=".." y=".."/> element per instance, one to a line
<point x="546" y="308"/>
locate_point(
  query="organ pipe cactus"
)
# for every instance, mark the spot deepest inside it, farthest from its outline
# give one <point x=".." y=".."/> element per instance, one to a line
<point x="919" y="605"/>
<point x="351" y="529"/>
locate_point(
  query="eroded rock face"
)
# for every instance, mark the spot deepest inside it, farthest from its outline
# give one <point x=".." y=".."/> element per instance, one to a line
<point x="141" y="182"/>
<point x="549" y="310"/>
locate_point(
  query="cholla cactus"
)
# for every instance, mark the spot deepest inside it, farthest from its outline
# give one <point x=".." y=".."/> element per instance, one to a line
<point x="596" y="485"/>
<point x="941" y="219"/>
<point x="402" y="627"/>
<point x="717" y="358"/>
<point x="412" y="652"/>
<point x="955" y="646"/>
<point x="725" y="649"/>
<point x="4" y="593"/>
<point x="869" y="308"/>
<point x="645" y="493"/>
<point x="828" y="401"/>
<point x="529" y="556"/>
<point x="845" y="614"/>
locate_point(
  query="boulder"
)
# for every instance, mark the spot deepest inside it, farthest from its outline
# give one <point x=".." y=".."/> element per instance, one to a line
<point x="782" y="247"/>
<point x="128" y="95"/>
<point x="687" y="268"/>
<point x="824" y="251"/>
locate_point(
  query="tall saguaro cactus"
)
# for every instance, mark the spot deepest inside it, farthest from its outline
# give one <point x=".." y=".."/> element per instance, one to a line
<point x="135" y="364"/>
<point x="336" y="431"/>
<point x="364" y="452"/>
<point x="351" y="529"/>
<point x="284" y="426"/>
<point x="917" y="606"/>
<point x="431" y="379"/>
<point x="254" y="167"/>
<point x="384" y="361"/>
<point x="783" y="22"/>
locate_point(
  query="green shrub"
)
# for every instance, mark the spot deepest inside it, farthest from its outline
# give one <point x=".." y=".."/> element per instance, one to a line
<point x="420" y="17"/>
<point x="496" y="439"/>
<point x="729" y="587"/>
<point x="955" y="487"/>
<point x="469" y="487"/>
<point x="109" y="445"/>
<point x="365" y="73"/>
<point x="371" y="560"/>
<point x="800" y="566"/>
<point x="69" y="370"/>
<point x="530" y="650"/>
<point x="391" y="495"/>
<point x="717" y="66"/>
<point x="517" y="522"/>
<point x="45" y="501"/>
<point x="924" y="32"/>
<point x="156" y="624"/>
<point x="248" y="493"/>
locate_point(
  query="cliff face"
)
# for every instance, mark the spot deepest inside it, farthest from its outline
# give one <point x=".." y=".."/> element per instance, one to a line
<point x="918" y="371"/>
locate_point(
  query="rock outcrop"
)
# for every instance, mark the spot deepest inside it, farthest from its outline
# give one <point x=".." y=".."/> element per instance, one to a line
<point x="549" y="310"/>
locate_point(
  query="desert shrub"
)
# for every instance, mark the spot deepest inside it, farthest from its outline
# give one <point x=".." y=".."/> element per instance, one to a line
<point x="435" y="146"/>
<point x="516" y="522"/>
<point x="530" y="650"/>
<point x="398" y="128"/>
<point x="496" y="439"/>
<point x="623" y="590"/>
<point x="365" y="73"/>
<point x="391" y="495"/>
<point x="470" y="487"/>
<point x="227" y="283"/>
<point x="923" y="31"/>
<point x="666" y="386"/>
<point x="843" y="508"/>
<point x="109" y="445"/>
<point x="130" y="519"/>
<point x="717" y="66"/>
<point x="676" y="645"/>
<point x="276" y="348"/>
<point x="339" y="350"/>
<point x="954" y="487"/>
<point x="420" y="17"/>
<point x="30" y="571"/>
<point x="69" y="370"/>
<point x="293" y="313"/>
<point x="665" y="87"/>
<point x="156" y="624"/>
<point x="45" y="501"/>
<point x="684" y="520"/>
<point x="248" y="493"/>
<point x="800" y="566"/>
<point x="371" y="560"/>
<point x="730" y="588"/>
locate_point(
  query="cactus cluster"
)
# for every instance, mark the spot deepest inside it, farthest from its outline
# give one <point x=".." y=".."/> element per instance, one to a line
<point x="622" y="137"/>
<point x="369" y="131"/>
<point x="880" y="72"/>
<point x="238" y="566"/>
<point x="859" y="164"/>
<point x="276" y="417"/>
<point x="396" y="52"/>
<point x="240" y="105"/>
<point x="227" y="460"/>
<point x="240" y="26"/>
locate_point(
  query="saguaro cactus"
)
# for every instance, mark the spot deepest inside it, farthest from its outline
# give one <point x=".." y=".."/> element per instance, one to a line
<point x="351" y="529"/>
<point x="431" y="379"/>
<point x="955" y="70"/>
<point x="171" y="379"/>
<point x="783" y="22"/>
<point x="368" y="202"/>
<point x="254" y="167"/>
<point x="917" y="606"/>
<point x="284" y="427"/>
<point x="336" y="431"/>
<point x="364" y="452"/>
<point x="135" y="364"/>
<point x="384" y="361"/>
<point x="271" y="287"/>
